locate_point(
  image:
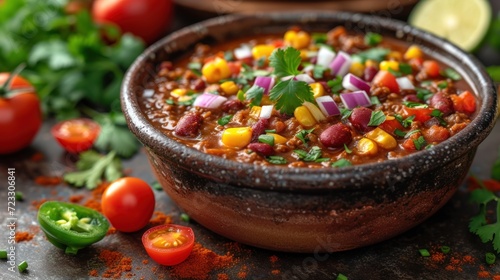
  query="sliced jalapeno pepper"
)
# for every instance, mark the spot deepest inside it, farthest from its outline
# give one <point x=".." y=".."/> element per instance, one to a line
<point x="70" y="226"/>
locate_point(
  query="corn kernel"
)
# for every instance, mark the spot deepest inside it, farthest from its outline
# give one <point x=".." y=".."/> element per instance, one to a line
<point x="278" y="139"/>
<point x="371" y="63"/>
<point x="216" y="70"/>
<point x="314" y="110"/>
<point x="389" y="64"/>
<point x="357" y="69"/>
<point x="303" y="54"/>
<point x="229" y="88"/>
<point x="366" y="147"/>
<point x="237" y="137"/>
<point x="383" y="139"/>
<point x="260" y="51"/>
<point x="298" y="40"/>
<point x="395" y="55"/>
<point x="317" y="89"/>
<point x="304" y="117"/>
<point x="185" y="98"/>
<point x="266" y="101"/>
<point x="413" y="52"/>
<point x="178" y="92"/>
<point x="255" y="112"/>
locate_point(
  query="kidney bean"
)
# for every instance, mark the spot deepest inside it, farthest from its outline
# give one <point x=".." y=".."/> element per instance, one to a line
<point x="259" y="128"/>
<point x="261" y="148"/>
<point x="326" y="87"/>
<point x="359" y="118"/>
<point x="197" y="84"/>
<point x="231" y="106"/>
<point x="336" y="136"/>
<point x="369" y="73"/>
<point x="442" y="102"/>
<point x="411" y="98"/>
<point x="189" y="125"/>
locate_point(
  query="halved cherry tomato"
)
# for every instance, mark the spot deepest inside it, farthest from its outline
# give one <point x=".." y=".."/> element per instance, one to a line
<point x="76" y="135"/>
<point x="386" y="79"/>
<point x="421" y="114"/>
<point x="20" y="114"/>
<point x="168" y="244"/>
<point x="432" y="68"/>
<point x="128" y="203"/>
<point x="464" y="102"/>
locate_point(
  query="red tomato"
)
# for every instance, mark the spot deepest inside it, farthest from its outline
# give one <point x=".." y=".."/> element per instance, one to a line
<point x="421" y="114"/>
<point x="128" y="203"/>
<point x="168" y="244"/>
<point x="465" y="102"/>
<point x="76" y="135"/>
<point x="390" y="125"/>
<point x="386" y="79"/>
<point x="20" y="114"/>
<point x="432" y="69"/>
<point x="147" y="19"/>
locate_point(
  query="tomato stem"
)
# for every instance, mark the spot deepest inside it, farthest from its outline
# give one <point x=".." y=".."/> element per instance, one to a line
<point x="5" y="88"/>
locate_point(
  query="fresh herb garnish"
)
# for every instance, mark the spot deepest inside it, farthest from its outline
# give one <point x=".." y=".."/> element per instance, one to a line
<point x="376" y="118"/>
<point x="405" y="68"/>
<point x="374" y="100"/>
<point x="314" y="154"/>
<point x="266" y="139"/>
<point x="170" y="101"/>
<point x="335" y="85"/>
<point x="424" y="252"/>
<point x="373" y="39"/>
<point x="240" y="95"/>
<point x="423" y="94"/>
<point x="288" y="94"/>
<point x="92" y="167"/>
<point x="479" y="225"/>
<point x="318" y="71"/>
<point x="442" y="84"/>
<point x="156" y="186"/>
<point x="451" y="73"/>
<point x="494" y="72"/>
<point x="114" y="135"/>
<point x="341" y="163"/>
<point x="188" y="101"/>
<point x="445" y="249"/>
<point x="255" y="94"/>
<point x="319" y="38"/>
<point x="377" y="54"/>
<point x="426" y="83"/>
<point x="302" y="135"/>
<point x="490" y="258"/>
<point x="228" y="56"/>
<point x="345" y="113"/>
<point x="261" y="62"/>
<point x="276" y="160"/>
<point x="346" y="149"/>
<point x="270" y="130"/>
<point x="224" y="120"/>
<point x="185" y="217"/>
<point x="439" y="116"/>
<point x="404" y="122"/>
<point x="399" y="133"/>
<point x="411" y="104"/>
<point x="19" y="196"/>
<point x="419" y="143"/>
<point x="495" y="170"/>
<point x="411" y="132"/>
<point x="195" y="67"/>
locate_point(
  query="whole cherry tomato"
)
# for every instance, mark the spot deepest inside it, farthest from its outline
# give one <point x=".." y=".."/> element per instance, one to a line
<point x="147" y="19"/>
<point x="128" y="203"/>
<point x="168" y="244"/>
<point x="20" y="114"/>
<point x="76" y="135"/>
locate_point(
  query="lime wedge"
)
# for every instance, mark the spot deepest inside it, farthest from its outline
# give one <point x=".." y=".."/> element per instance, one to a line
<point x="463" y="22"/>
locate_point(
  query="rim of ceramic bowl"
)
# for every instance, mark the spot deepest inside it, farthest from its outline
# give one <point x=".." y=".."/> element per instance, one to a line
<point x="307" y="179"/>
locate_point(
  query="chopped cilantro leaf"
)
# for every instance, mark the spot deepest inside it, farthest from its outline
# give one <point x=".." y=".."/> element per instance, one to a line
<point x="170" y="102"/>
<point x="452" y="74"/>
<point x="419" y="143"/>
<point x="347" y="150"/>
<point x="302" y="135"/>
<point x="479" y="223"/>
<point x="276" y="160"/>
<point x="319" y="38"/>
<point x="399" y="133"/>
<point x="345" y="113"/>
<point x="270" y="130"/>
<point x="373" y="39"/>
<point x="423" y="94"/>
<point x="115" y="136"/>
<point x="405" y="68"/>
<point x="225" y="120"/>
<point x="255" y="94"/>
<point x="92" y="167"/>
<point x="377" y="54"/>
<point x="335" y="84"/>
<point x="266" y="139"/>
<point x="261" y="62"/>
<point x="313" y="154"/>
<point x="194" y="66"/>
<point x="290" y="94"/>
<point x="376" y="118"/>
<point x="410" y="133"/>
<point x="318" y="71"/>
<point x="439" y="116"/>
<point x="341" y="163"/>
<point x="442" y="85"/>
<point x="404" y="122"/>
<point x="156" y="186"/>
<point x="411" y="104"/>
<point x="374" y="100"/>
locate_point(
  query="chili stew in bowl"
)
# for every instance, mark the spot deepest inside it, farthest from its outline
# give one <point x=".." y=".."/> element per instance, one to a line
<point x="318" y="209"/>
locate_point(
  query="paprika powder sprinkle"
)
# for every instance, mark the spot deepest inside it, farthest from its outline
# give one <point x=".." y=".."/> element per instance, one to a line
<point x="201" y="263"/>
<point x="116" y="264"/>
<point x="23" y="236"/>
<point x="160" y="219"/>
<point x="48" y="180"/>
<point x="76" y="198"/>
<point x="222" y="276"/>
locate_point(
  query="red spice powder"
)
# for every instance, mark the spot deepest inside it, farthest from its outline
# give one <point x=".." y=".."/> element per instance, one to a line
<point x="496" y="277"/>
<point x="222" y="276"/>
<point x="273" y="258"/>
<point x="76" y="198"/>
<point x="94" y="201"/>
<point x="36" y="157"/>
<point x="160" y="219"/>
<point x="145" y="261"/>
<point x="38" y="203"/>
<point x="48" y="180"/>
<point x="438" y="257"/>
<point x="111" y="230"/>
<point x="116" y="264"/>
<point x="23" y="236"/>
<point x="455" y="264"/>
<point x="275" y="271"/>
<point x="201" y="262"/>
<point x="468" y="259"/>
<point x="93" y="273"/>
<point x="483" y="274"/>
<point x="242" y="274"/>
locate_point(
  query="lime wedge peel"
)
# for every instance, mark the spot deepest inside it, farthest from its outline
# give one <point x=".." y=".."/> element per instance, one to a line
<point x="463" y="22"/>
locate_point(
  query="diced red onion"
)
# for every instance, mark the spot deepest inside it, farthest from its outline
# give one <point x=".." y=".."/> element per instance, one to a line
<point x="266" y="83"/>
<point x="209" y="100"/>
<point x="304" y="78"/>
<point x="242" y="52"/>
<point x="354" y="83"/>
<point x="327" y="105"/>
<point x="341" y="64"/>
<point x="147" y="93"/>
<point x="405" y="83"/>
<point x="352" y="100"/>
<point x="315" y="112"/>
<point x="325" y="56"/>
<point x="266" y="111"/>
<point x="308" y="68"/>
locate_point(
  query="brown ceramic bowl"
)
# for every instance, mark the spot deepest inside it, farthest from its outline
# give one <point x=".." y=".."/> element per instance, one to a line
<point x="305" y="210"/>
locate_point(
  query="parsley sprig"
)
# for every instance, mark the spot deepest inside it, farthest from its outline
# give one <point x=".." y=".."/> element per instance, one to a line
<point x="288" y="94"/>
<point x="479" y="224"/>
<point x="92" y="167"/>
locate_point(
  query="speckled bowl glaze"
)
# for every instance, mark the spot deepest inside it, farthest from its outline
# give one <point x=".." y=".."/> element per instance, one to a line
<point x="305" y="210"/>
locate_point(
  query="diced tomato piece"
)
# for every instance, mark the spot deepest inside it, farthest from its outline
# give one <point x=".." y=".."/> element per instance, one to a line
<point x="416" y="63"/>
<point x="421" y="114"/>
<point x="386" y="79"/>
<point x="278" y="43"/>
<point x="432" y="68"/>
<point x="390" y="125"/>
<point x="234" y="67"/>
<point x="408" y="144"/>
<point x="464" y="102"/>
<point x="436" y="133"/>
